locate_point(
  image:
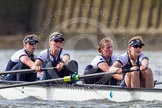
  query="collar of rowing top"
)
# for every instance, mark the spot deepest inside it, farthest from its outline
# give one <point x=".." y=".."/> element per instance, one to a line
<point x="108" y="61"/>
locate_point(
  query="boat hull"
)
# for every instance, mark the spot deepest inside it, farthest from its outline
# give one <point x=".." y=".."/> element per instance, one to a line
<point x="81" y="93"/>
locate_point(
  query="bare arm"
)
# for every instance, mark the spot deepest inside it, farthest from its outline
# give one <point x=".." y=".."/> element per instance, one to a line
<point x="26" y="60"/>
<point x="37" y="65"/>
<point x="144" y="64"/>
<point x="38" y="62"/>
<point x="104" y="66"/>
<point x="116" y="67"/>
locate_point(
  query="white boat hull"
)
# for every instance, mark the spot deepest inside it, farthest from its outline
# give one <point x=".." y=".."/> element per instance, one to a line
<point x="81" y="93"/>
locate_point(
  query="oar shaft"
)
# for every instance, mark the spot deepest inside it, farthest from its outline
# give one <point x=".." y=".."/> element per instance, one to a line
<point x="55" y="80"/>
<point x="62" y="79"/>
<point x="97" y="75"/>
<point x="104" y="73"/>
<point x="24" y="71"/>
<point x="31" y="83"/>
<point x="157" y="83"/>
<point x="16" y="71"/>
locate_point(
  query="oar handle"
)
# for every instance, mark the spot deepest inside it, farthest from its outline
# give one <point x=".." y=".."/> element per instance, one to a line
<point x="49" y="68"/>
<point x="129" y="70"/>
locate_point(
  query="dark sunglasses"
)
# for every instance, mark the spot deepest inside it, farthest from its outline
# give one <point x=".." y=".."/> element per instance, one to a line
<point x="32" y="43"/>
<point x="137" y="46"/>
<point x="61" y="41"/>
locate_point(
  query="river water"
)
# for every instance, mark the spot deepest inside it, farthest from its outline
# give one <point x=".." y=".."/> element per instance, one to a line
<point x="83" y="58"/>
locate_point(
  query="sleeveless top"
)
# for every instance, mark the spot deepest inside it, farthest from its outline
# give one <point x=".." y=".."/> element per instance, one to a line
<point x="125" y="60"/>
<point x="45" y="57"/>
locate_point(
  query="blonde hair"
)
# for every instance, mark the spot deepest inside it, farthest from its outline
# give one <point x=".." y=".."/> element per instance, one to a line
<point x="100" y="45"/>
<point x="133" y="62"/>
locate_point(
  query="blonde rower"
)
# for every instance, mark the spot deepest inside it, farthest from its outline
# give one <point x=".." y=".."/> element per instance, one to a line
<point x="135" y="59"/>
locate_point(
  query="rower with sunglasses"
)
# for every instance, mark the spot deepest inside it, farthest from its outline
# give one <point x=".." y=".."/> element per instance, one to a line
<point x="23" y="59"/>
<point x="134" y="59"/>
<point x="55" y="56"/>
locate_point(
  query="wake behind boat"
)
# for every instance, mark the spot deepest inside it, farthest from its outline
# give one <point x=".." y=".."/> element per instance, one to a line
<point x="80" y="92"/>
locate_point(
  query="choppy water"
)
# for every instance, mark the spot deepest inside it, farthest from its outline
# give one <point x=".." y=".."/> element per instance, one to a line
<point x="83" y="58"/>
<point x="32" y="103"/>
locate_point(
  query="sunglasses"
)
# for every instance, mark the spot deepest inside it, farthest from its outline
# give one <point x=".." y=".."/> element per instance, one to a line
<point x="61" y="41"/>
<point x="32" y="44"/>
<point x="137" y="46"/>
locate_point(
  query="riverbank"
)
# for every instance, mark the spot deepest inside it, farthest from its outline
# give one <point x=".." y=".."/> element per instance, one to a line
<point x="152" y="42"/>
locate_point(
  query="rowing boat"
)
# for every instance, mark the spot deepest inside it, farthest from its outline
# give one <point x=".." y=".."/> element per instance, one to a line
<point x="81" y="92"/>
<point x="60" y="89"/>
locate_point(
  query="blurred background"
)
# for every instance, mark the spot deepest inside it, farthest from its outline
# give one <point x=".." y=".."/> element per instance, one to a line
<point x="122" y="18"/>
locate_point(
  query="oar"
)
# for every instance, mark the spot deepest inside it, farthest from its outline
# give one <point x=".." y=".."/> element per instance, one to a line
<point x="24" y="71"/>
<point x="72" y="78"/>
<point x="157" y="83"/>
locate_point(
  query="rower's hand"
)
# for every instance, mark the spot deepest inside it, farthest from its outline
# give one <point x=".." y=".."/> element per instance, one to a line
<point x="143" y="67"/>
<point x="119" y="70"/>
<point x="60" y="66"/>
<point x="115" y="69"/>
<point x="37" y="69"/>
<point x="66" y="58"/>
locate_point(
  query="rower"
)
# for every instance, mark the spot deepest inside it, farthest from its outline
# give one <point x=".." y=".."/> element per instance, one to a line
<point x="23" y="59"/>
<point x="55" y="56"/>
<point x="102" y="63"/>
<point x="134" y="58"/>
